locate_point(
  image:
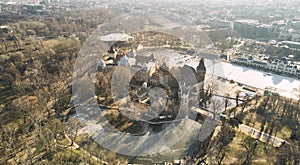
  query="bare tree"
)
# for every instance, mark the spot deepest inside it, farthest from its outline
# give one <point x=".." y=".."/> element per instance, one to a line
<point x="25" y="105"/>
<point x="250" y="150"/>
<point x="9" y="136"/>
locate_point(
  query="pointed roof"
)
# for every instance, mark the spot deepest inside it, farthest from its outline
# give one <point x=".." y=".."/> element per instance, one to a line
<point x="101" y="63"/>
<point x="124" y="61"/>
<point x="144" y="66"/>
<point x="201" y="65"/>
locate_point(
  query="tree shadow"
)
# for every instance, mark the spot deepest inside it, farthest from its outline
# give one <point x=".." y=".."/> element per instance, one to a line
<point x="277" y="79"/>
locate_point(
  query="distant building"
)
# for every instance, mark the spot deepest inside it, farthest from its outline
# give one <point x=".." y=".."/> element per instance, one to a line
<point x="290" y="44"/>
<point x="276" y="66"/>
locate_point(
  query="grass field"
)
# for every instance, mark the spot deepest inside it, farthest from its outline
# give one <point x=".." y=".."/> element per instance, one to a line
<point x="236" y="152"/>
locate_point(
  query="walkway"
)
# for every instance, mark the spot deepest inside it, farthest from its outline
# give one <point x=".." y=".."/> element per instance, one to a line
<point x="261" y="136"/>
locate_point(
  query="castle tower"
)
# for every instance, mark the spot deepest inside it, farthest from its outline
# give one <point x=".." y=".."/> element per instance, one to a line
<point x="201" y="71"/>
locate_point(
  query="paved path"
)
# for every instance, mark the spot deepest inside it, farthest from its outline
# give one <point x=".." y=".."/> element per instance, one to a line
<point x="257" y="134"/>
<point x="261" y="136"/>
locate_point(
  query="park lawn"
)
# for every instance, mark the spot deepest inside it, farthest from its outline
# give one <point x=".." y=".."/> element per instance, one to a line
<point x="250" y="117"/>
<point x="234" y="147"/>
<point x="235" y="150"/>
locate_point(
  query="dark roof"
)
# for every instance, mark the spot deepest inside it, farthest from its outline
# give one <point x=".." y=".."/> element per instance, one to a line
<point x="223" y="56"/>
<point x="164" y="70"/>
<point x="201" y="65"/>
<point x="142" y="92"/>
<point x="260" y="63"/>
<point x="241" y="59"/>
<point x="144" y="97"/>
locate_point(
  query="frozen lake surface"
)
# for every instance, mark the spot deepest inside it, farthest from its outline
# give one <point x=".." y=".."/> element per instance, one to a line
<point x="285" y="86"/>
